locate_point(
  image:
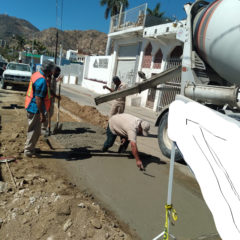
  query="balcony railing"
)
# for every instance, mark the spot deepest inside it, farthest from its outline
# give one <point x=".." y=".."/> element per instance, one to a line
<point x="131" y="18"/>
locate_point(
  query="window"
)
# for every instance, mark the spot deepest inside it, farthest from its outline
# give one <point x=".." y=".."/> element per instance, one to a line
<point x="19" y="67"/>
<point x="147" y="58"/>
<point x="158" y="59"/>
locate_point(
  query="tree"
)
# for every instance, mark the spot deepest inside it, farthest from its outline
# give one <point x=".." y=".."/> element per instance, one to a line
<point x="41" y="49"/>
<point x="20" y="42"/>
<point x="155" y="12"/>
<point x="113" y="6"/>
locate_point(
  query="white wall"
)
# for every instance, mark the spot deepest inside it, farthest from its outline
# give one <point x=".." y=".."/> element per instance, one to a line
<point x="97" y="73"/>
<point x="129" y="49"/>
<point x="71" y="55"/>
<point x="94" y="78"/>
<point x="166" y="47"/>
<point x="44" y="58"/>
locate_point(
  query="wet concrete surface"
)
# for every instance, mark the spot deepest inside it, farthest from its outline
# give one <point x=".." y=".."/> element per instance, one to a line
<point x="135" y="197"/>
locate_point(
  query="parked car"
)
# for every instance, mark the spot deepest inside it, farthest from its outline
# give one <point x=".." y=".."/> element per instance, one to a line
<point x="2" y="67"/>
<point x="16" y="74"/>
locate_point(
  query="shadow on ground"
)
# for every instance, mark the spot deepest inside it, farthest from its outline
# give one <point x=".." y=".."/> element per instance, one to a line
<point x="77" y="131"/>
<point x="83" y="153"/>
<point x="12" y="106"/>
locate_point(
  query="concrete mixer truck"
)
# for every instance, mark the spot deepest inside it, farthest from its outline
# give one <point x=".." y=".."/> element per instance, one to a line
<point x="210" y="71"/>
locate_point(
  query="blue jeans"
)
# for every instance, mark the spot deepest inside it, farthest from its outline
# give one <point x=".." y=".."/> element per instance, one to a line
<point x="110" y="139"/>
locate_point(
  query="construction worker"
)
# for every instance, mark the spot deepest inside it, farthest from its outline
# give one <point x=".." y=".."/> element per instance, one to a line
<point x="37" y="102"/>
<point x="118" y="105"/>
<point x="127" y="127"/>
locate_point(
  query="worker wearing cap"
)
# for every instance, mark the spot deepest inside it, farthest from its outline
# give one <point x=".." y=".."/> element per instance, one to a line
<point x="37" y="102"/>
<point x="118" y="105"/>
<point x="127" y="127"/>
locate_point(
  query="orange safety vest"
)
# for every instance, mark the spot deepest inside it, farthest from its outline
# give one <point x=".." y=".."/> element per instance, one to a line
<point x="29" y="96"/>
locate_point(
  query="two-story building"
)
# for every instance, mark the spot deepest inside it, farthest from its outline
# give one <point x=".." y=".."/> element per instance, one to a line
<point x="136" y="42"/>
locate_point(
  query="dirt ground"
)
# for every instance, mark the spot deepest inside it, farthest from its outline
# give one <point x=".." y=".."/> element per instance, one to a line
<point x="37" y="199"/>
<point x="87" y="113"/>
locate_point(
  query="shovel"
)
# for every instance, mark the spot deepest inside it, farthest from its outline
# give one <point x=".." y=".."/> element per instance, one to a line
<point x="58" y="126"/>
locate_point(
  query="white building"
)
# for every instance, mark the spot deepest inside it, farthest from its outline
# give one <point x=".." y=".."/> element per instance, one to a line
<point x="72" y="55"/>
<point x="136" y="45"/>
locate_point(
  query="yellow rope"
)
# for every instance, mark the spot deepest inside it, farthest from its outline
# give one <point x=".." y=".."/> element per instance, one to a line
<point x="170" y="214"/>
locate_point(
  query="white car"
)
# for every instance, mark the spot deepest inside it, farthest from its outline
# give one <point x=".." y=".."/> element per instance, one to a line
<point x="16" y="74"/>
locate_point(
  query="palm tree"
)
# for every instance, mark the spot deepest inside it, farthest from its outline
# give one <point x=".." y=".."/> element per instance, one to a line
<point x="20" y="42"/>
<point x="113" y="6"/>
<point x="155" y="12"/>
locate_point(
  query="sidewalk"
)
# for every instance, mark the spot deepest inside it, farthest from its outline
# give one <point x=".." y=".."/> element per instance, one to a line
<point x="84" y="96"/>
<point x="135" y="197"/>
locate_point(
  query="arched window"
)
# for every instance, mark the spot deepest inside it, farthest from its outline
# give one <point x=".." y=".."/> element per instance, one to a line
<point x="176" y="52"/>
<point x="158" y="59"/>
<point x="147" y="58"/>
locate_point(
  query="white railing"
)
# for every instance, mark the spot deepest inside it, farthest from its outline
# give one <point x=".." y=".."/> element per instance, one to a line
<point x="131" y="18"/>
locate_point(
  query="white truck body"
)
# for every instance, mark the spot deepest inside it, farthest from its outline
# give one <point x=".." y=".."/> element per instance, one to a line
<point x="16" y="74"/>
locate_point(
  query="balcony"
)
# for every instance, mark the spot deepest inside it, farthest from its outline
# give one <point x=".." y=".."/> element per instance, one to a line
<point x="129" y="19"/>
<point x="134" y="20"/>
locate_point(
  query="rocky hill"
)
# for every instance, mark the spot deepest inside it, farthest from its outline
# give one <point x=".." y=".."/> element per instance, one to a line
<point x="90" y="41"/>
<point x="10" y="26"/>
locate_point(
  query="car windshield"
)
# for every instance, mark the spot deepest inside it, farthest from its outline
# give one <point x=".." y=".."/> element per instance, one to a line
<point x="19" y="67"/>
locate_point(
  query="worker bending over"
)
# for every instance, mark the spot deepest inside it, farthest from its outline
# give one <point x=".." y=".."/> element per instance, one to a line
<point x="127" y="127"/>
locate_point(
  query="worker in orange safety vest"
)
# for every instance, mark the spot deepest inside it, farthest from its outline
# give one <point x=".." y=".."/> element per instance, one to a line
<point x="37" y="102"/>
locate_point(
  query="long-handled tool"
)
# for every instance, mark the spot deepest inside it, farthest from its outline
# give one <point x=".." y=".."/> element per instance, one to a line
<point x="58" y="126"/>
<point x="49" y="124"/>
<point x="6" y="160"/>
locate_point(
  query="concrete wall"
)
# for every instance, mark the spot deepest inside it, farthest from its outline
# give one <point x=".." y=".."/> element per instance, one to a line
<point x="128" y="50"/>
<point x="73" y="69"/>
<point x="97" y="73"/>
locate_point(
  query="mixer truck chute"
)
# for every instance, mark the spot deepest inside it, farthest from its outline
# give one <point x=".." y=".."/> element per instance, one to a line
<point x="210" y="71"/>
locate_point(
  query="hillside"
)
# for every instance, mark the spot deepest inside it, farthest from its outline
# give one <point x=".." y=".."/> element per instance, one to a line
<point x="90" y="41"/>
<point x="10" y="26"/>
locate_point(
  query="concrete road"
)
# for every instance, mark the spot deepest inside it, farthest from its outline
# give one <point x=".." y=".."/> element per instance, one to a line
<point x="136" y="198"/>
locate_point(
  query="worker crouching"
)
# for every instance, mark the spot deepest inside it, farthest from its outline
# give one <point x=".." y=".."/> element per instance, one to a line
<point x="127" y="127"/>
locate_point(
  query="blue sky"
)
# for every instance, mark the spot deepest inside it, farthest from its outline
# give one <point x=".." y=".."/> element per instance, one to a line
<point x="78" y="14"/>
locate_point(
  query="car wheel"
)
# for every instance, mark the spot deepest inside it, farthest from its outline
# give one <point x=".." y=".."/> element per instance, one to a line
<point x="164" y="142"/>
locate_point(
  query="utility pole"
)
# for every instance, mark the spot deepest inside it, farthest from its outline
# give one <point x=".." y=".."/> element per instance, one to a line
<point x="32" y="51"/>
<point x="58" y="24"/>
<point x="56" y="47"/>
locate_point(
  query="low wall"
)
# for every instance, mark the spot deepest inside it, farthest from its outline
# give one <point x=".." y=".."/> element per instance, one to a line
<point x="97" y="73"/>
